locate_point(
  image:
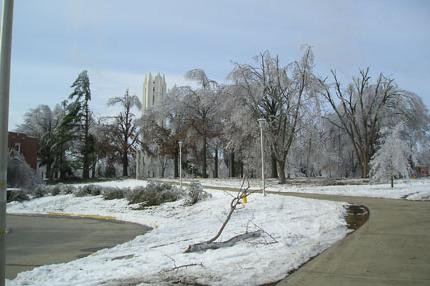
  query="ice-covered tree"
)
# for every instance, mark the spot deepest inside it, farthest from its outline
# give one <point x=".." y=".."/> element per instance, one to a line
<point x="239" y="135"/>
<point x="391" y="159"/>
<point x="46" y="124"/>
<point x="361" y="108"/>
<point x="201" y="106"/>
<point x="20" y="174"/>
<point x="164" y="125"/>
<point x="124" y="128"/>
<point x="79" y="110"/>
<point x="276" y="93"/>
<point x="40" y="122"/>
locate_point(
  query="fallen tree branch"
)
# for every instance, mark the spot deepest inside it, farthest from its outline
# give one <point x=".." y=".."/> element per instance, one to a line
<point x="236" y="200"/>
<point x="274" y="240"/>
<point x="185" y="266"/>
<point x="211" y="244"/>
<point x="175" y="267"/>
<point x="203" y="246"/>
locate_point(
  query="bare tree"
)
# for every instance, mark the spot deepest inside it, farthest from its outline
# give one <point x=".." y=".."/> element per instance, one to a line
<point x="361" y="108"/>
<point x="125" y="126"/>
<point x="277" y="94"/>
<point x="201" y="109"/>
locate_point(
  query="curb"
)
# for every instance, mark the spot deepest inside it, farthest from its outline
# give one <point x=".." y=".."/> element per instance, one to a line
<point x="99" y="217"/>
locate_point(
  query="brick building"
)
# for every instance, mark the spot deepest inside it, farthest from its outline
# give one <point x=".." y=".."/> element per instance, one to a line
<point x="421" y="171"/>
<point x="25" y="145"/>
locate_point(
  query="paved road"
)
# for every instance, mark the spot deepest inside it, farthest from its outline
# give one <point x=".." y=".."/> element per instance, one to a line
<point x="392" y="248"/>
<point x="39" y="240"/>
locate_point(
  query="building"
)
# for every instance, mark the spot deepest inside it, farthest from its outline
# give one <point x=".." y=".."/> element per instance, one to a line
<point x="24" y="145"/>
<point x="421" y="171"/>
<point x="154" y="91"/>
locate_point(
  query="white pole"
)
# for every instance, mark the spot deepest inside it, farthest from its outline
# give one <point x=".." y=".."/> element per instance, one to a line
<point x="6" y="42"/>
<point x="180" y="164"/>
<point x="137" y="164"/>
<point x="261" y="123"/>
<point x="262" y="162"/>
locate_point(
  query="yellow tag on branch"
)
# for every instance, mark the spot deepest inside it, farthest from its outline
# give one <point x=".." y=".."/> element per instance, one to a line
<point x="245" y="199"/>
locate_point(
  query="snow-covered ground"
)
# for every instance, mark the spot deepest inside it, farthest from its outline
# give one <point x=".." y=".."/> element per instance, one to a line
<point x="410" y="190"/>
<point x="302" y="228"/>
<point x="128" y="183"/>
<point x="418" y="189"/>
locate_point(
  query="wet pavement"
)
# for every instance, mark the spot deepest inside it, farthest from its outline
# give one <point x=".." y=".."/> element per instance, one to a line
<point x="38" y="240"/>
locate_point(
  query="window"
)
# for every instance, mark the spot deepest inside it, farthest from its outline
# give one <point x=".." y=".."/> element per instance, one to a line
<point x="17" y="147"/>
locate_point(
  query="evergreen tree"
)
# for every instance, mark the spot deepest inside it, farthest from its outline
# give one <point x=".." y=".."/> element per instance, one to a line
<point x="79" y="113"/>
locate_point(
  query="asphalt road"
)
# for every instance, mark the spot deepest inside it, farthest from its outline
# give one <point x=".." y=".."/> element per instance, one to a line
<point x="38" y="240"/>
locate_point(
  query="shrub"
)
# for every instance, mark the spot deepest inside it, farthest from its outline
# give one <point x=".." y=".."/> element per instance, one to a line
<point x="95" y="190"/>
<point x="81" y="192"/>
<point x="89" y="190"/>
<point x="55" y="189"/>
<point x="68" y="189"/>
<point x="20" y="174"/>
<point x="113" y="193"/>
<point x="17" y="196"/>
<point x="195" y="193"/>
<point x="154" y="194"/>
<point x="40" y="191"/>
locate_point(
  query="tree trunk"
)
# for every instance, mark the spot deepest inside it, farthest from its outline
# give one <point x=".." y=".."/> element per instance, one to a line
<point x="308" y="157"/>
<point x="86" y="167"/>
<point x="48" y="171"/>
<point x="86" y="153"/>
<point x="125" y="165"/>
<point x="163" y="170"/>
<point x="392" y="176"/>
<point x="176" y="163"/>
<point x="352" y="164"/>
<point x="273" y="165"/>
<point x="93" y="169"/>
<point x="216" y="163"/>
<point x="231" y="171"/>
<point x="241" y="168"/>
<point x="204" y="169"/>
<point x="61" y="165"/>
<point x="364" y="168"/>
<point x="281" y="171"/>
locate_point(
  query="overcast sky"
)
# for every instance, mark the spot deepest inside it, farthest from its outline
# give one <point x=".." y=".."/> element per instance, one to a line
<point x="118" y="41"/>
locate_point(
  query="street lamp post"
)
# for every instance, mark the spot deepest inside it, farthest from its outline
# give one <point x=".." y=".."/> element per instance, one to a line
<point x="261" y="123"/>
<point x="6" y="41"/>
<point x="180" y="164"/>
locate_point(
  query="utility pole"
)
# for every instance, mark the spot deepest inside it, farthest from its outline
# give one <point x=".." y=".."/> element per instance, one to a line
<point x="5" y="50"/>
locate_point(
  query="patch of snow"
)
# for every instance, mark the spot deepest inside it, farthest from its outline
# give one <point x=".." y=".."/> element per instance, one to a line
<point x="128" y="183"/>
<point x="415" y="189"/>
<point x="302" y="227"/>
<point x="410" y="190"/>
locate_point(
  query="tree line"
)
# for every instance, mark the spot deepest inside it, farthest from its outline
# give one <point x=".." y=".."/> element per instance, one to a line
<point x="314" y="126"/>
<point x="73" y="143"/>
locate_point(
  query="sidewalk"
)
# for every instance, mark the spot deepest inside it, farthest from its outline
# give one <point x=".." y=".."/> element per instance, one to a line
<point x="392" y="248"/>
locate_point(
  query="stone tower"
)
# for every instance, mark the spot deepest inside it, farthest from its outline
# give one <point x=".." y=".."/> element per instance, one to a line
<point x="154" y="90"/>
